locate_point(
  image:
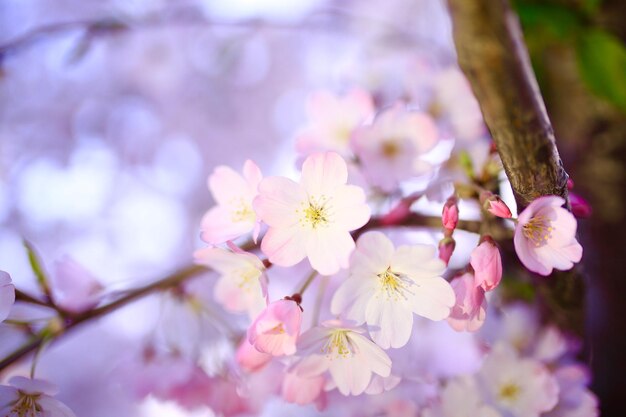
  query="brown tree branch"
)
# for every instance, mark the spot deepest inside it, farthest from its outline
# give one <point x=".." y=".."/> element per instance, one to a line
<point x="493" y="56"/>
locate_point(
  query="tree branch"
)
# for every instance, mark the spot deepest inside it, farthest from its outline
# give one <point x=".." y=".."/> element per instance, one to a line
<point x="492" y="54"/>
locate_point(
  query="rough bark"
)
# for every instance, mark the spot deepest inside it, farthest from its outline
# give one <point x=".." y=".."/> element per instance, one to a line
<point x="492" y="54"/>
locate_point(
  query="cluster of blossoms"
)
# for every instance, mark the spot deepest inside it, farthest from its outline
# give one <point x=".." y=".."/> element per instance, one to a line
<point x="347" y="229"/>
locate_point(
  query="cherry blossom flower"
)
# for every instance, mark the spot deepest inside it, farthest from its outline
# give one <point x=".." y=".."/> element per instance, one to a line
<point x="341" y="350"/>
<point x="312" y="218"/>
<point x="250" y="358"/>
<point x="74" y="288"/>
<point x="233" y="216"/>
<point x="239" y="287"/>
<point x="387" y="286"/>
<point x="7" y="295"/>
<point x="32" y="398"/>
<point x="519" y="387"/>
<point x="390" y="149"/>
<point x="332" y="119"/>
<point x="470" y="310"/>
<point x="545" y="236"/>
<point x="487" y="264"/>
<point x="276" y="329"/>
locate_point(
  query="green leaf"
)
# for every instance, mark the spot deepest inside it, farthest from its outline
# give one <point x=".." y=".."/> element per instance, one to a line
<point x="602" y="64"/>
<point x="549" y="21"/>
<point x="37" y="268"/>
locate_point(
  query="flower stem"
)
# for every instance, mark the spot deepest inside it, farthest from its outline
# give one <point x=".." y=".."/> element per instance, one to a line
<point x="306" y="283"/>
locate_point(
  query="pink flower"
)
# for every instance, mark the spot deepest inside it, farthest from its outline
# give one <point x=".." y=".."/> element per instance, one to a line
<point x="332" y="119"/>
<point x="470" y="310"/>
<point x="275" y="331"/>
<point x="450" y="214"/>
<point x="341" y="350"/>
<point x="74" y="288"/>
<point x="249" y="358"/>
<point x="240" y="286"/>
<point x="487" y="264"/>
<point x="518" y="387"/>
<point x="7" y="295"/>
<point x="545" y="236"/>
<point x="390" y="149"/>
<point x="312" y="218"/>
<point x="32" y="398"/>
<point x="575" y="400"/>
<point x="233" y="216"/>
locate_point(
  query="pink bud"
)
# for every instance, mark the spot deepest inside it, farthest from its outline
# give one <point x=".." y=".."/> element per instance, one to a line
<point x="494" y="205"/>
<point x="400" y="212"/>
<point x="580" y="207"/>
<point x="276" y="329"/>
<point x="570" y="184"/>
<point x="450" y="214"/>
<point x="446" y="248"/>
<point x="249" y="358"/>
<point x="487" y="264"/>
<point x="302" y="390"/>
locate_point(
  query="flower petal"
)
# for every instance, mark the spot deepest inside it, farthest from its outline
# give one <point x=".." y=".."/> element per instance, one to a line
<point x="278" y="200"/>
<point x="323" y="172"/>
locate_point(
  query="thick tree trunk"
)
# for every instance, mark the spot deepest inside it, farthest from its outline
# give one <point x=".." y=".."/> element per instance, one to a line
<point x="493" y="56"/>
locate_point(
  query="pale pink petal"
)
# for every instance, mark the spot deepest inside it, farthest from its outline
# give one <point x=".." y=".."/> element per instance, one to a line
<point x="227" y="184"/>
<point x="377" y="360"/>
<point x="252" y="173"/>
<point x="352" y="297"/>
<point x="329" y="250"/>
<point x="311" y="366"/>
<point x="487" y="264"/>
<point x="33" y="386"/>
<point x="323" y="172"/>
<point x="350" y="207"/>
<point x="373" y="254"/>
<point x="54" y="408"/>
<point x="285" y="246"/>
<point x="350" y="376"/>
<point x="526" y="253"/>
<point x="218" y="225"/>
<point x="249" y="358"/>
<point x="278" y="201"/>
<point x="417" y="261"/>
<point x="389" y="322"/>
<point x="7" y="295"/>
<point x="433" y="298"/>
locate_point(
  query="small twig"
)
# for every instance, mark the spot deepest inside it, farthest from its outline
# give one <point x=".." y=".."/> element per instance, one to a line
<point x="26" y="298"/>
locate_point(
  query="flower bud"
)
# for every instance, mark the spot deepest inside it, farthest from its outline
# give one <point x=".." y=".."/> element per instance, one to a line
<point x="450" y="214"/>
<point x="446" y="248"/>
<point x="580" y="207"/>
<point x="494" y="205"/>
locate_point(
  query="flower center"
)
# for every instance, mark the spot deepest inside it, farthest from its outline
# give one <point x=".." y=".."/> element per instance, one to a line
<point x="241" y="211"/>
<point x="509" y="392"/>
<point x="338" y="345"/>
<point x="390" y="149"/>
<point x="395" y="286"/>
<point x="247" y="278"/>
<point x="315" y="212"/>
<point x="26" y="405"/>
<point x="538" y="230"/>
<point x="278" y="329"/>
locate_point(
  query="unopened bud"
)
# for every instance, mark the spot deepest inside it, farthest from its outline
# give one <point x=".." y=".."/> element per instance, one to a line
<point x="450" y="214"/>
<point x="494" y="205"/>
<point x="580" y="207"/>
<point x="446" y="248"/>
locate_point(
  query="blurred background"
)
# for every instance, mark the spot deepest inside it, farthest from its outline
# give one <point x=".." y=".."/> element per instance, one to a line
<point x="113" y="113"/>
